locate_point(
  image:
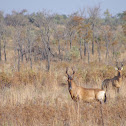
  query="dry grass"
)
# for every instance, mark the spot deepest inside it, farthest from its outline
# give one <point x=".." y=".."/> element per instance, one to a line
<point x="39" y="98"/>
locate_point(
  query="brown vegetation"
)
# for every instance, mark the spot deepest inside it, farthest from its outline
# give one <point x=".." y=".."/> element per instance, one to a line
<point x="45" y="100"/>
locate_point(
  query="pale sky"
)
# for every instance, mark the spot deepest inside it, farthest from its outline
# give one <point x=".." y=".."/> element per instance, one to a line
<point x="61" y="6"/>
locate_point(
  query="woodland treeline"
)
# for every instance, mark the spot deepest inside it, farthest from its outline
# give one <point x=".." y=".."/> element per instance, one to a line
<point x="43" y="36"/>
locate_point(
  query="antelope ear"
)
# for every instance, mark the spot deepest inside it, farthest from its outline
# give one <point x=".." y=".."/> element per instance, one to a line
<point x="116" y="68"/>
<point x="121" y="68"/>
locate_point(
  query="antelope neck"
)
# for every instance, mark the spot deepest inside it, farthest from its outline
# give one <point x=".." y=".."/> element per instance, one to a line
<point x="70" y="86"/>
<point x="119" y="74"/>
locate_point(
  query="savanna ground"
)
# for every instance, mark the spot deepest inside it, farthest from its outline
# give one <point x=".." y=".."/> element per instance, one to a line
<point x="40" y="98"/>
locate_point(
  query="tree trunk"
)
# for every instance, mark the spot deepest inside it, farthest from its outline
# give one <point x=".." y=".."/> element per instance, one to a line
<point x="18" y="60"/>
<point x="107" y="46"/>
<point x="70" y="43"/>
<point x="31" y="63"/>
<point x="30" y="56"/>
<point x="5" y="58"/>
<point x="93" y="46"/>
<point x="80" y="50"/>
<point x="21" y="55"/>
<point x="99" y="51"/>
<point x="30" y="52"/>
<point x="107" y="49"/>
<point x="88" y="52"/>
<point x="85" y="50"/>
<point x="59" y="49"/>
<point x="48" y="60"/>
<point x="66" y="44"/>
<point x="0" y="51"/>
<point x="47" y="50"/>
<point x="93" y="40"/>
<point x="113" y="51"/>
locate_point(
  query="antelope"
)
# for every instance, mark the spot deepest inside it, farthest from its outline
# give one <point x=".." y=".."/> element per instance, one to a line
<point x="115" y="82"/>
<point x="84" y="94"/>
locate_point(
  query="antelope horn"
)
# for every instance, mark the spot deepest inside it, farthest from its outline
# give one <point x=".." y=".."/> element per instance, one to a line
<point x="67" y="71"/>
<point x="121" y="64"/>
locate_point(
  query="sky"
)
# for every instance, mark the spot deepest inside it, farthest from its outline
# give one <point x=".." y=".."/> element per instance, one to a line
<point x="61" y="6"/>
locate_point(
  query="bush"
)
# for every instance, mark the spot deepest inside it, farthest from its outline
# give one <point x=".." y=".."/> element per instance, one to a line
<point x="72" y="54"/>
<point x="5" y="80"/>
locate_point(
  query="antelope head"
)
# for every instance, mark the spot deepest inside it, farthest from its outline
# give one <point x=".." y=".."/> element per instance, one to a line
<point x="70" y="78"/>
<point x="119" y="68"/>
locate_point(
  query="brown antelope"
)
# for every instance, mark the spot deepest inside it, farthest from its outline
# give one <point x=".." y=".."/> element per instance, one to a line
<point x="84" y="94"/>
<point x="115" y="82"/>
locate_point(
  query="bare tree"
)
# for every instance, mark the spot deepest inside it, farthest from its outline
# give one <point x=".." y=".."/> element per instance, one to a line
<point x="85" y="49"/>
<point x="17" y="46"/>
<point x="17" y="18"/>
<point x="70" y="28"/>
<point x="94" y="14"/>
<point x="4" y="46"/>
<point x="59" y="35"/>
<point x="30" y="44"/>
<point x="19" y="39"/>
<point x="107" y="34"/>
<point x="45" y="23"/>
<point x="1" y="31"/>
